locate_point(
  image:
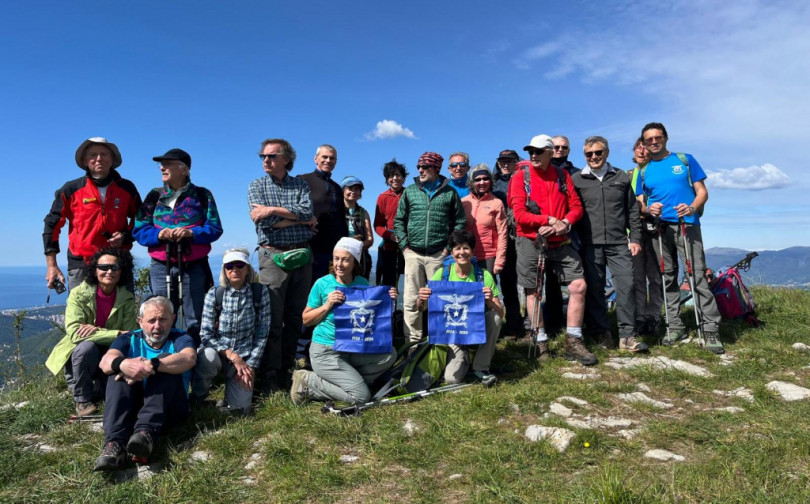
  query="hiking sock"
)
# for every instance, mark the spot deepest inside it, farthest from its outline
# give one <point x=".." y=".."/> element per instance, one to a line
<point x="541" y="335"/>
<point x="574" y="331"/>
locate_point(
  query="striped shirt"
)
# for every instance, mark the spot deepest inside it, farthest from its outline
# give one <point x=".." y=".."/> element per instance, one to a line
<point x="238" y="330"/>
<point x="290" y="193"/>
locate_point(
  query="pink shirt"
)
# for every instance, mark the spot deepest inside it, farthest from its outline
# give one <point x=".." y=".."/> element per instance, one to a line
<point x="104" y="305"/>
<point x="486" y="219"/>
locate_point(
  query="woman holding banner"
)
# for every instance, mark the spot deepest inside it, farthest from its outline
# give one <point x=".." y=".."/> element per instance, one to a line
<point x="337" y="375"/>
<point x="461" y="245"/>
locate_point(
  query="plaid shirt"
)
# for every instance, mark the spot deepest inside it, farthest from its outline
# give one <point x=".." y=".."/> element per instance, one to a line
<point x="238" y="330"/>
<point x="291" y="193"/>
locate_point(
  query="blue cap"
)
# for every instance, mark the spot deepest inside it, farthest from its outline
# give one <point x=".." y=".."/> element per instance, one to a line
<point x="350" y="181"/>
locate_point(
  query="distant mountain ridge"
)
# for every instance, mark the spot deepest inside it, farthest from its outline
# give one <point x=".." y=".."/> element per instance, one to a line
<point x="788" y="267"/>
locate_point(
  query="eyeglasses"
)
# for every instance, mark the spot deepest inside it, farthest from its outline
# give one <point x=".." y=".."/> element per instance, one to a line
<point x="108" y="267"/>
<point x="560" y="147"/>
<point x="424" y="167"/>
<point x="596" y="153"/>
<point x="653" y="139"/>
<point x="507" y="160"/>
<point x="268" y="156"/>
<point x="234" y="265"/>
<point x="462" y="164"/>
<point x="537" y="152"/>
<point x="482" y="179"/>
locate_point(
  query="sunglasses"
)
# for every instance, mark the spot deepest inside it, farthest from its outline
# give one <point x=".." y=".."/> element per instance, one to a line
<point x="424" y="167"/>
<point x="537" y="152"/>
<point x="462" y="164"/>
<point x="653" y="139"/>
<point x="560" y="147"/>
<point x="482" y="179"/>
<point x="596" y="153"/>
<point x="268" y="156"/>
<point x="108" y="267"/>
<point x="235" y="265"/>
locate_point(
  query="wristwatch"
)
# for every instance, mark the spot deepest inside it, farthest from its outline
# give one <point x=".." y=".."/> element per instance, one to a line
<point x="155" y="363"/>
<point x="691" y="210"/>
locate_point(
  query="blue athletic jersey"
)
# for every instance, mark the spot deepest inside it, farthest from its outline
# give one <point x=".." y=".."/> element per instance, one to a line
<point x="667" y="182"/>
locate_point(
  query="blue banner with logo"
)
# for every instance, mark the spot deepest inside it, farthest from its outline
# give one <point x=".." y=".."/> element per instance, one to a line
<point x="363" y="322"/>
<point x="456" y="313"/>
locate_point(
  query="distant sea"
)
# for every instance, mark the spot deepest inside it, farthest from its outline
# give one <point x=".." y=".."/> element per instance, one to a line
<point x="24" y="287"/>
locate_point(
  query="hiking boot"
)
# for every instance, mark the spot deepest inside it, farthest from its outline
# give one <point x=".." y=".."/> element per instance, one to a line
<point x="673" y="337"/>
<point x="542" y="351"/>
<point x="575" y="350"/>
<point x="140" y="444"/>
<point x="112" y="457"/>
<point x="605" y="340"/>
<point x="300" y="385"/>
<point x="632" y="345"/>
<point x="486" y="378"/>
<point x="713" y="343"/>
<point x="86" y="409"/>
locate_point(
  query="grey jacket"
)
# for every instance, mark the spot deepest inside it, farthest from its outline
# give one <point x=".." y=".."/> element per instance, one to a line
<point x="610" y="208"/>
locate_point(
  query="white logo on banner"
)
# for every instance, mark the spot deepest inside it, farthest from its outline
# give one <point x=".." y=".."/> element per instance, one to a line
<point x="455" y="311"/>
<point x="362" y="318"/>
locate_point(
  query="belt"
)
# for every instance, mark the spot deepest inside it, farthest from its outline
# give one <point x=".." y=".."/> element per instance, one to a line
<point x="285" y="248"/>
<point x="553" y="246"/>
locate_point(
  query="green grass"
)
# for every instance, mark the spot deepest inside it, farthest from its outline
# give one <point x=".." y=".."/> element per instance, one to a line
<point x="470" y="446"/>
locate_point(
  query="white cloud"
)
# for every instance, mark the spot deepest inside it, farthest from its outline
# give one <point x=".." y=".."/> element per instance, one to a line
<point x="719" y="70"/>
<point x="387" y="129"/>
<point x="753" y="178"/>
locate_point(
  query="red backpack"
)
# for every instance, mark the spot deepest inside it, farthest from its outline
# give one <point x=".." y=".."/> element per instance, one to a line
<point x="733" y="298"/>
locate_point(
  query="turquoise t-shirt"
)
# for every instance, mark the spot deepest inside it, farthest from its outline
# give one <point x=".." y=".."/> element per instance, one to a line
<point x="324" y="332"/>
<point x="453" y="277"/>
<point x="667" y="182"/>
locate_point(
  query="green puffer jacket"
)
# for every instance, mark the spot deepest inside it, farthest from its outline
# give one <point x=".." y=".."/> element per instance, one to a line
<point x="424" y="223"/>
<point x="81" y="309"/>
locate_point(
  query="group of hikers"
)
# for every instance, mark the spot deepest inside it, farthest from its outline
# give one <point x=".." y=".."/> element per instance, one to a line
<point x="530" y="225"/>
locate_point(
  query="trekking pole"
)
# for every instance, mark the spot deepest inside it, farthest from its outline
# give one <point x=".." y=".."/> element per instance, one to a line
<point x="169" y="271"/>
<point x="356" y="409"/>
<point x="538" y="282"/>
<point x="663" y="283"/>
<point x="692" y="281"/>
<point x="181" y="322"/>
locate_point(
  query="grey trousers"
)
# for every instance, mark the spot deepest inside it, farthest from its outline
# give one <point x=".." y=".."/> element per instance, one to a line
<point x="288" y="298"/>
<point x="616" y="257"/>
<point x="458" y="357"/>
<point x="342" y="376"/>
<point x="84" y="372"/>
<point x="674" y="247"/>
<point x="647" y="279"/>
<point x="209" y="365"/>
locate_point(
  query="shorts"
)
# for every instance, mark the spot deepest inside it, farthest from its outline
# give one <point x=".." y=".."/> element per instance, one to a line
<point x="563" y="262"/>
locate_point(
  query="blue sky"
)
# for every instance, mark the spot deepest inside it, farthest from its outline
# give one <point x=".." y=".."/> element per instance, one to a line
<point x="380" y="80"/>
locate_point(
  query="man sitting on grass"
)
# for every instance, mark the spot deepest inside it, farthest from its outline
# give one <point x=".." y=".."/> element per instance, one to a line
<point x="149" y="373"/>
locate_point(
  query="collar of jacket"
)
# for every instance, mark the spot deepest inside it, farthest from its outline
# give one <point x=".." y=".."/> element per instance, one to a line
<point x="609" y="168"/>
<point x="324" y="175"/>
<point x="443" y="181"/>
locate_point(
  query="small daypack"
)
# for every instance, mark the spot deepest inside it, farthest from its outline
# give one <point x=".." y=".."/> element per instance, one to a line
<point x="423" y="369"/>
<point x="734" y="300"/>
<point x="449" y="261"/>
<point x="256" y="289"/>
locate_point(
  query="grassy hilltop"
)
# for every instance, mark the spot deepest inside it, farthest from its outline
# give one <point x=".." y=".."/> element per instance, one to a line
<point x="471" y="446"/>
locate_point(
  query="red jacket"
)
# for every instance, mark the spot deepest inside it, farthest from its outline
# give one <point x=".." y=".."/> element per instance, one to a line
<point x="90" y="221"/>
<point x="544" y="187"/>
<point x="387" y="203"/>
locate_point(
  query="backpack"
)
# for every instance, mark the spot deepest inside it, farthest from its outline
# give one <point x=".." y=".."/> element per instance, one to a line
<point x="449" y="261"/>
<point x="531" y="206"/>
<point x="682" y="157"/>
<point x="423" y="369"/>
<point x="734" y="300"/>
<point x="256" y="289"/>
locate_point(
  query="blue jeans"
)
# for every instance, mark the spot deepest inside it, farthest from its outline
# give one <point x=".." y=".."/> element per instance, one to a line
<point x="195" y="274"/>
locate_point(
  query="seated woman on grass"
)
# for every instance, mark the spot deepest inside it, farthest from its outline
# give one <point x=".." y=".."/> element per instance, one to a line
<point x="461" y="245"/>
<point x="97" y="311"/>
<point x="337" y="376"/>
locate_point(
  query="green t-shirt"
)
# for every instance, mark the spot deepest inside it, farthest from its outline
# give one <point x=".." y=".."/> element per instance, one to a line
<point x="453" y="277"/>
<point x="324" y="332"/>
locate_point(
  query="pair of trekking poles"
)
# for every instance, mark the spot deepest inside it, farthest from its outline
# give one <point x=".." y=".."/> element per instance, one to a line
<point x="176" y="249"/>
<point x="690" y="275"/>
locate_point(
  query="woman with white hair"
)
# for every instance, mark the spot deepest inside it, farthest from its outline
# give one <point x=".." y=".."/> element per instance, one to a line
<point x="338" y="376"/>
<point x="235" y="324"/>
